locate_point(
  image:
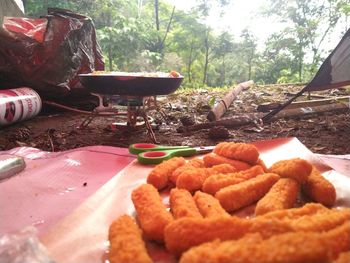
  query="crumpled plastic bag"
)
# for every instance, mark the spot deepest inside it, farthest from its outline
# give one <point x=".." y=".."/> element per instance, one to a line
<point x="48" y="53"/>
<point x="23" y="247"/>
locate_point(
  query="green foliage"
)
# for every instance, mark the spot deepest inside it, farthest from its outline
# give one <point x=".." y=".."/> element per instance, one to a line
<point x="130" y="40"/>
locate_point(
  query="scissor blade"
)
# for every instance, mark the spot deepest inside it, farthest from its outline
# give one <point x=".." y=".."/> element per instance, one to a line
<point x="204" y="149"/>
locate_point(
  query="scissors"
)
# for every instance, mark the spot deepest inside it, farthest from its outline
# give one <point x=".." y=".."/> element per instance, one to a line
<point x="149" y="153"/>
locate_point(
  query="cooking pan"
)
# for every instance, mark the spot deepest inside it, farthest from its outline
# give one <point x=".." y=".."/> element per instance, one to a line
<point x="130" y="85"/>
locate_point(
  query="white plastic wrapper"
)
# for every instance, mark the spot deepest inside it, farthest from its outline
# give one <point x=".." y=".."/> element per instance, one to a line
<point x="23" y="247"/>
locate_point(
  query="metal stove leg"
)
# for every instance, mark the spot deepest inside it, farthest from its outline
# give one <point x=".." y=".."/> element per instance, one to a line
<point x="149" y="129"/>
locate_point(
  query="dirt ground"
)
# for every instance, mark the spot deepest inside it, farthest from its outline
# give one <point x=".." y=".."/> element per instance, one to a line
<point x="57" y="130"/>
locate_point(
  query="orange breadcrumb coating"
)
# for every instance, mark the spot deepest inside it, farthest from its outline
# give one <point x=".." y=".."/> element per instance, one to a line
<point x="182" y="204"/>
<point x="151" y="212"/>
<point x="322" y="221"/>
<point x="126" y="244"/>
<point x="263" y="165"/>
<point x="319" y="189"/>
<point x="193" y="179"/>
<point x="289" y="247"/>
<point x="295" y="213"/>
<point x="208" y="205"/>
<point x="236" y="196"/>
<point x="338" y="239"/>
<point x="185" y="233"/>
<point x="212" y="159"/>
<point x="159" y="176"/>
<point x="238" y="151"/>
<point x="343" y="258"/>
<point x="297" y="169"/>
<point x="194" y="163"/>
<point x="282" y="195"/>
<point x="218" y="181"/>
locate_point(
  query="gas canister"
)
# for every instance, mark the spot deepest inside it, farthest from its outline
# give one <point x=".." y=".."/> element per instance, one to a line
<point x="18" y="105"/>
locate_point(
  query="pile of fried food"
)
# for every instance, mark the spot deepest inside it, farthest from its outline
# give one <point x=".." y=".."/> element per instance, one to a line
<point x="205" y="194"/>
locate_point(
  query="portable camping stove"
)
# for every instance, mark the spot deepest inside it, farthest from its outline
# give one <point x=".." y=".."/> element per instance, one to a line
<point x="134" y="114"/>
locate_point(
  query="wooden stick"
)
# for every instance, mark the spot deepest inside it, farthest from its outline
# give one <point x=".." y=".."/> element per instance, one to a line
<point x="307" y="103"/>
<point x="220" y="108"/>
<point x="249" y="118"/>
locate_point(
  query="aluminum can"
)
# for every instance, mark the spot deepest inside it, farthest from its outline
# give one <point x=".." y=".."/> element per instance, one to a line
<point x="18" y="105"/>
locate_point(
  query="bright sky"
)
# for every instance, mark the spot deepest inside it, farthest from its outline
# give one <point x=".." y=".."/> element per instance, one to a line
<point x="241" y="14"/>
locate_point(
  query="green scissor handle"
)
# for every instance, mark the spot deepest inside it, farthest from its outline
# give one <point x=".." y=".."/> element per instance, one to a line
<point x="156" y="157"/>
<point x="146" y="147"/>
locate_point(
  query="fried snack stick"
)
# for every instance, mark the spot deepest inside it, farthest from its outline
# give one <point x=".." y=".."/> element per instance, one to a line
<point x="151" y="212"/>
<point x="338" y="239"/>
<point x="289" y="247"/>
<point x="194" y="163"/>
<point x="212" y="159"/>
<point x="208" y="205"/>
<point x="238" y="151"/>
<point x="282" y="195"/>
<point x="297" y="169"/>
<point x="218" y="181"/>
<point x="295" y="213"/>
<point x="236" y="196"/>
<point x="159" y="176"/>
<point x="184" y="233"/>
<point x="193" y="179"/>
<point x="263" y="165"/>
<point x="182" y="204"/>
<point x="126" y="244"/>
<point x="322" y="221"/>
<point x="319" y="189"/>
<point x="343" y="258"/>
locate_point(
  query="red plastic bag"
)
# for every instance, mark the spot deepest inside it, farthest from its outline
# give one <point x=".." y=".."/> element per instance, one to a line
<point x="47" y="54"/>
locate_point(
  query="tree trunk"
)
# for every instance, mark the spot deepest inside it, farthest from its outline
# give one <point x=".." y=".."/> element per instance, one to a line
<point x="206" y="62"/>
<point x="167" y="30"/>
<point x="300" y="69"/>
<point x="223" y="77"/>
<point x="156" y="7"/>
<point x="110" y="59"/>
<point x="250" y="68"/>
<point x="190" y="64"/>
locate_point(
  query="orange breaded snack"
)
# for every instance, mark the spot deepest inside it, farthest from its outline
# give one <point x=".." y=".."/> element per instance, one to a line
<point x="151" y="212"/>
<point x="212" y="159"/>
<point x="295" y="213"/>
<point x="289" y="247"/>
<point x="193" y="179"/>
<point x="319" y="189"/>
<point x="208" y="205"/>
<point x="159" y="176"/>
<point x="182" y="204"/>
<point x="218" y="181"/>
<point x="321" y="221"/>
<point x="236" y="196"/>
<point x="185" y="233"/>
<point x="343" y="258"/>
<point x="239" y="151"/>
<point x="263" y="165"/>
<point x="282" y="195"/>
<point x="338" y="239"/>
<point x="297" y="169"/>
<point x="126" y="244"/>
<point x="194" y="163"/>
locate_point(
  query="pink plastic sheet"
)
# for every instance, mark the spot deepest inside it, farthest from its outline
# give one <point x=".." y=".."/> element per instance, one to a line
<point x="82" y="236"/>
<point x="54" y="184"/>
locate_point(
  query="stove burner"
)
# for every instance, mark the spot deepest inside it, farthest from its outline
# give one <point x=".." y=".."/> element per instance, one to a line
<point x="134" y="117"/>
